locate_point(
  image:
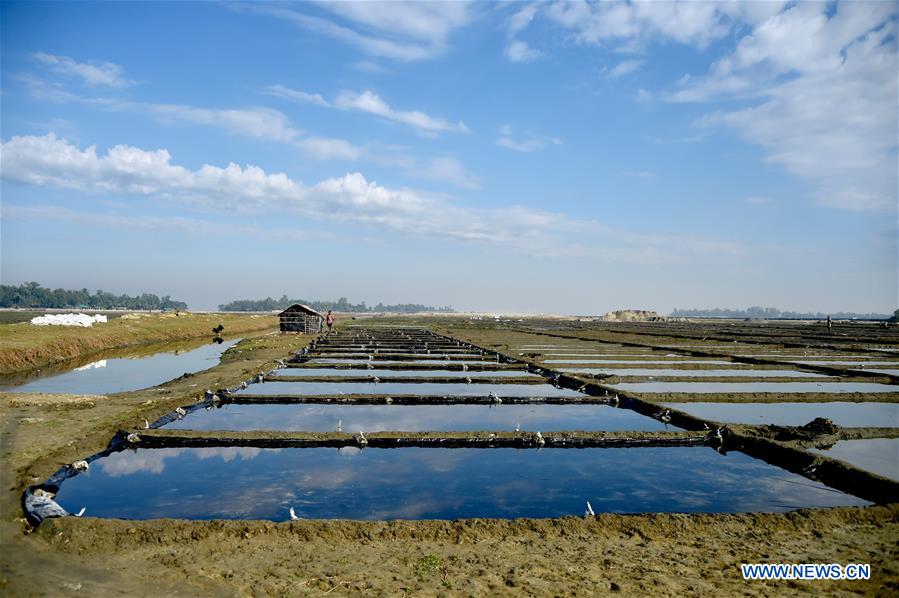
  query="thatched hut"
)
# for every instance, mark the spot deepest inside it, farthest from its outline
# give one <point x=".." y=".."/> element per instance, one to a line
<point x="302" y="319"/>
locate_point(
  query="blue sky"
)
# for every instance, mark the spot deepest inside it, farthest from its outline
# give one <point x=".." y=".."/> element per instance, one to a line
<point x="548" y="157"/>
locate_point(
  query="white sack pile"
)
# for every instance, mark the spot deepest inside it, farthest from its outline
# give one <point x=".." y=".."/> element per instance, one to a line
<point x="68" y="320"/>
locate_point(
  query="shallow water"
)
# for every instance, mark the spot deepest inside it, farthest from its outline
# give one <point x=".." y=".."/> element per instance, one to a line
<point x="856" y="415"/>
<point x="389" y="350"/>
<point x="399" y="356"/>
<point x="129" y="373"/>
<point x="780" y="387"/>
<point x="877" y="455"/>
<point x="403" y="373"/>
<point x="594" y="346"/>
<point x="618" y="355"/>
<point x="325" y="361"/>
<point x="399" y="388"/>
<point x="879" y="371"/>
<point x="415" y="418"/>
<point x="624" y="362"/>
<point x="860" y="363"/>
<point x="698" y="373"/>
<point x="432" y="483"/>
<point x="720" y="346"/>
<point x="786" y="355"/>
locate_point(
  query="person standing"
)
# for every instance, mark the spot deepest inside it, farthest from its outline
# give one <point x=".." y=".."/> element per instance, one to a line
<point x="829" y="325"/>
<point x="330" y="321"/>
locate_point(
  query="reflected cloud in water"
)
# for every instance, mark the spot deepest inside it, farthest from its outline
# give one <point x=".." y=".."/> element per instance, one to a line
<point x="435" y="483"/>
<point x="413" y="418"/>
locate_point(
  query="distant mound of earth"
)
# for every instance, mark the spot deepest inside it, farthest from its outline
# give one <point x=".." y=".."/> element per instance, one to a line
<point x="632" y="315"/>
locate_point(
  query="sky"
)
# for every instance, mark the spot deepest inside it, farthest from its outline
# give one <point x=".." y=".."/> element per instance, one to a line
<point x="550" y="157"/>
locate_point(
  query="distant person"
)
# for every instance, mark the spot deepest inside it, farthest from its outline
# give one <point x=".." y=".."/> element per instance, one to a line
<point x="829" y="325"/>
<point x="330" y="321"/>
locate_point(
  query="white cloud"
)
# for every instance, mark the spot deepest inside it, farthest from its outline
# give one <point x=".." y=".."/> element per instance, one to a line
<point x="104" y="74"/>
<point x="447" y="169"/>
<point x="625" y="67"/>
<point x="398" y="31"/>
<point x="634" y="24"/>
<point x="124" y="170"/>
<point x="519" y="51"/>
<point x="527" y="144"/>
<point x="257" y="122"/>
<point x="295" y="95"/>
<point x="818" y="81"/>
<point x="427" y="21"/>
<point x="51" y="161"/>
<point x="521" y="19"/>
<point x="824" y="109"/>
<point x="327" y="148"/>
<point x="55" y="92"/>
<point x="370" y="102"/>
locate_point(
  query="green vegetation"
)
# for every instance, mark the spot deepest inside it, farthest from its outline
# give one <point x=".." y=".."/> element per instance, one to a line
<point x="771" y="313"/>
<point x="32" y="294"/>
<point x="426" y="565"/>
<point x="341" y="305"/>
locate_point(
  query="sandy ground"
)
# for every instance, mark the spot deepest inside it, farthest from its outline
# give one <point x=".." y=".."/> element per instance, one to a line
<point x="627" y="555"/>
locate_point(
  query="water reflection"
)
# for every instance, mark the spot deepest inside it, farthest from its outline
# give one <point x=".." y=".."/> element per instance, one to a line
<point x="877" y="455"/>
<point x="403" y="373"/>
<point x="696" y="373"/>
<point x="781" y="387"/>
<point x="91" y="366"/>
<point x="362" y="362"/>
<point x="154" y="461"/>
<point x="857" y="363"/>
<point x="198" y="483"/>
<point x="399" y="388"/>
<point x="129" y="370"/>
<point x="413" y="418"/>
<point x="884" y="415"/>
<point x="674" y="360"/>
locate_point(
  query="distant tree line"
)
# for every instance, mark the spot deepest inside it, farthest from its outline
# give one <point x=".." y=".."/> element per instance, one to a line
<point x="771" y="313"/>
<point x="32" y="294"/>
<point x="270" y="304"/>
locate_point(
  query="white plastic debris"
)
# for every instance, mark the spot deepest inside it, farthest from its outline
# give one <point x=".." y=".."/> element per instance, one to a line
<point x="83" y="320"/>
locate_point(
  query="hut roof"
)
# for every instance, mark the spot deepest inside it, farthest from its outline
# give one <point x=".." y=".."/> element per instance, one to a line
<point x="300" y="307"/>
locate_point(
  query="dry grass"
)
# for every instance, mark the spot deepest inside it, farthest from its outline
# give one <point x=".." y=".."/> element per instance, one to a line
<point x="25" y="346"/>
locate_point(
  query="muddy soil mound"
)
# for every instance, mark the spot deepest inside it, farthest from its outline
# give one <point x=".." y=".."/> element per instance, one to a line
<point x="632" y="315"/>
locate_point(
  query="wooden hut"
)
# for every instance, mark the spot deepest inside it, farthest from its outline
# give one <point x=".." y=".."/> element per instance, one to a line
<point x="302" y="319"/>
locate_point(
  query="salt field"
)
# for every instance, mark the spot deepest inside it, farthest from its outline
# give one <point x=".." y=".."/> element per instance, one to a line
<point x="629" y="457"/>
<point x="253" y="483"/>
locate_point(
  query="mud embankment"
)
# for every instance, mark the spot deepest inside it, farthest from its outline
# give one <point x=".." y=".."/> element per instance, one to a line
<point x="26" y="346"/>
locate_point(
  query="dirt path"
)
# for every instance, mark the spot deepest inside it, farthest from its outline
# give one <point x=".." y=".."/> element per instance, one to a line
<point x="658" y="554"/>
